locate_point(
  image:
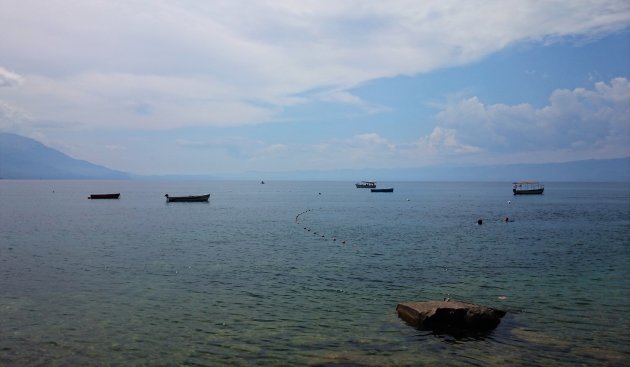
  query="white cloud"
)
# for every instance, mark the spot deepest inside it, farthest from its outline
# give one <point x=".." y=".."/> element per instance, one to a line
<point x="273" y="149"/>
<point x="579" y="121"/>
<point x="345" y="97"/>
<point x="372" y="139"/>
<point x="12" y="118"/>
<point x="361" y="150"/>
<point x="576" y="124"/>
<point x="237" y="148"/>
<point x="167" y="64"/>
<point x="444" y="141"/>
<point x="9" y="78"/>
<point x="136" y="101"/>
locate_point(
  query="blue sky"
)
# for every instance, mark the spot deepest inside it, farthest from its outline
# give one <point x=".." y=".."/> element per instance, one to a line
<point x="187" y="87"/>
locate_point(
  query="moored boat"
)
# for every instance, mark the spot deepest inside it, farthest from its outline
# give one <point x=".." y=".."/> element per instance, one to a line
<point x="365" y="185"/>
<point x="104" y="196"/>
<point x="527" y="188"/>
<point x="188" y="199"/>
<point x="391" y="189"/>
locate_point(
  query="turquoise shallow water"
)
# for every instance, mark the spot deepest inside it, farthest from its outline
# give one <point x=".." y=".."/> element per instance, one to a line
<point x="242" y="281"/>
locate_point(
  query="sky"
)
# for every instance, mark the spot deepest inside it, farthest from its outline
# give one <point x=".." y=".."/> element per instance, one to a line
<point x="221" y="87"/>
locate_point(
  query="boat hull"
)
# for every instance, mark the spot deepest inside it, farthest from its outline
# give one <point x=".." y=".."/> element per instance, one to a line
<point x="187" y="199"/>
<point x="528" y="192"/>
<point x="104" y="196"/>
<point x="391" y="189"/>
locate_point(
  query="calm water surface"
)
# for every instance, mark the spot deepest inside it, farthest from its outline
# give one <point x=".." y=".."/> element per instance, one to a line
<point x="244" y="279"/>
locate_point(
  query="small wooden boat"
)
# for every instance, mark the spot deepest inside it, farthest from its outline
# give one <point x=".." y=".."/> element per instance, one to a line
<point x="527" y="188"/>
<point x="187" y="199"/>
<point x="104" y="196"/>
<point x="391" y="189"/>
<point x="365" y="185"/>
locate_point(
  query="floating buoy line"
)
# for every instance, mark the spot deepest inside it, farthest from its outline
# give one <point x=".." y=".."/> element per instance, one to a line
<point x="480" y="221"/>
<point x="308" y="229"/>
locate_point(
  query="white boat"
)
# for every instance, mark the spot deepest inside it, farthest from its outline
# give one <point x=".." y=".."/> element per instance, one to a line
<point x="365" y="184"/>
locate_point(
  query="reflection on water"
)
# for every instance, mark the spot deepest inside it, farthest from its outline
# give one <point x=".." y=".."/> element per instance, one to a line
<point x="278" y="274"/>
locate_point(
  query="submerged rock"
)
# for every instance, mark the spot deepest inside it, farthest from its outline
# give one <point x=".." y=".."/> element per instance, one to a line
<point x="449" y="315"/>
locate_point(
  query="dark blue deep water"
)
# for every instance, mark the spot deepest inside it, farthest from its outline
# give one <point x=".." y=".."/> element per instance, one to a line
<point x="242" y="281"/>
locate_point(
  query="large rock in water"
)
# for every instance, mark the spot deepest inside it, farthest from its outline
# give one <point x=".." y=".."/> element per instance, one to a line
<point x="449" y="315"/>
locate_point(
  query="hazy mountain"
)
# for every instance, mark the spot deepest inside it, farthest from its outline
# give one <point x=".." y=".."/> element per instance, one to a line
<point x="608" y="170"/>
<point x="24" y="158"/>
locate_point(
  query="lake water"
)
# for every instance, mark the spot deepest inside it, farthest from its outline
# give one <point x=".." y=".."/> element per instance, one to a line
<point x="244" y="279"/>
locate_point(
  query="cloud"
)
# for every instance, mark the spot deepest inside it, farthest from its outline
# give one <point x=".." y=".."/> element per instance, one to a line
<point x="237" y="147"/>
<point x="12" y="118"/>
<point x="444" y="141"/>
<point x="372" y="139"/>
<point x="575" y="124"/>
<point x="8" y="78"/>
<point x="169" y="64"/>
<point x="579" y="120"/>
<point x="345" y="97"/>
<point x="136" y="101"/>
<point x="273" y="149"/>
<point x="361" y="150"/>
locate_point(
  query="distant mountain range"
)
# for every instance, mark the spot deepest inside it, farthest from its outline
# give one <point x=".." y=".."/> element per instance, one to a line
<point x="25" y="158"/>
<point x="604" y="170"/>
